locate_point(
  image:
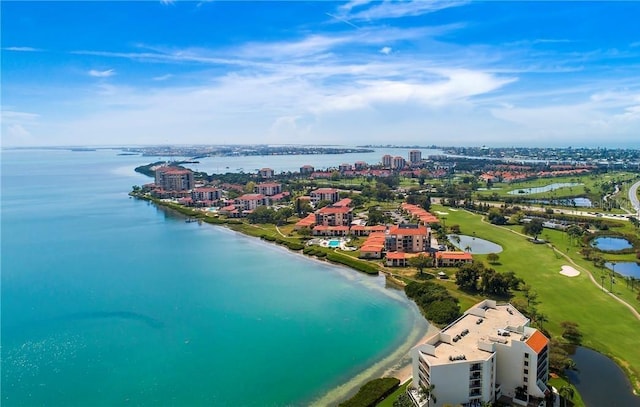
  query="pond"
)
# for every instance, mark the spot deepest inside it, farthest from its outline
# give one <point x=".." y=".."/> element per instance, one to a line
<point x="477" y="245"/>
<point x="611" y="244"/>
<point x="578" y="202"/>
<point x="626" y="268"/>
<point x="600" y="381"/>
<point x="546" y="188"/>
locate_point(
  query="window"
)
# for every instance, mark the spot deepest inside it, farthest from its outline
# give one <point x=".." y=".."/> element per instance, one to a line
<point x="526" y="371"/>
<point x="526" y="379"/>
<point x="526" y="363"/>
<point x="526" y="356"/>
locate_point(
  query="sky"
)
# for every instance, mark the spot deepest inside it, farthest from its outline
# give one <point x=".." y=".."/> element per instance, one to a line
<point x="446" y="73"/>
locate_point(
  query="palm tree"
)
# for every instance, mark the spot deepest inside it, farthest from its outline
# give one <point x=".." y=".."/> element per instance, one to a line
<point x="567" y="393"/>
<point x="427" y="392"/>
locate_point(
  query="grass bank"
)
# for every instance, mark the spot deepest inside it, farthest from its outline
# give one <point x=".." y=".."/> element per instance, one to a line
<point x="607" y="326"/>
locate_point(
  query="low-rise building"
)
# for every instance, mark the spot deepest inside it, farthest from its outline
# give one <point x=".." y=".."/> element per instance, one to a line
<point x="307" y="170"/>
<point x="324" y="194"/>
<point x="453" y="259"/>
<point x="206" y="194"/>
<point x="268" y="188"/>
<point x="334" y="216"/>
<point x="265" y="173"/>
<point x="487" y="353"/>
<point x="249" y="202"/>
<point x="408" y="238"/>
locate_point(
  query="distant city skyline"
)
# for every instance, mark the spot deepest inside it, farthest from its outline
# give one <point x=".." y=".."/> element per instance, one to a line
<point x="448" y="73"/>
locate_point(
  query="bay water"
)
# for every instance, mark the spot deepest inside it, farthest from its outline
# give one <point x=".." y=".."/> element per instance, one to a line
<point x="108" y="300"/>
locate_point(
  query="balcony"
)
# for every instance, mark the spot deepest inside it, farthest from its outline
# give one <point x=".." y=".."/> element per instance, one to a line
<point x="475" y="375"/>
<point x="476" y="367"/>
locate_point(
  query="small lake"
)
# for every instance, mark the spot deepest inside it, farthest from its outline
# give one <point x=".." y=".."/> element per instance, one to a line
<point x="627" y="268"/>
<point x="477" y="245"/>
<point x="611" y="244"/>
<point x="577" y="202"/>
<point x="546" y="188"/>
<point x="600" y="381"/>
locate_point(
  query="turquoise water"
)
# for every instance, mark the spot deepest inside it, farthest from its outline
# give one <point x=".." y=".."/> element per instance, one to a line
<point x="609" y="244"/>
<point x="546" y="188"/>
<point x="477" y="245"/>
<point x="108" y="300"/>
<point x="334" y="243"/>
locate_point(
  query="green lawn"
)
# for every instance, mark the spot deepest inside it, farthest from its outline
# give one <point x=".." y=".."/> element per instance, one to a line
<point x="388" y="401"/>
<point x="607" y="325"/>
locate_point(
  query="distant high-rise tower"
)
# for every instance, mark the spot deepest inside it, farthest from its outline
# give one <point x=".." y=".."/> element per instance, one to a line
<point x="386" y="161"/>
<point x="398" y="163"/>
<point x="415" y="156"/>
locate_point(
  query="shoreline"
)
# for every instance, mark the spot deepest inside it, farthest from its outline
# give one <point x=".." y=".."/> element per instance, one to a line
<point x="396" y="364"/>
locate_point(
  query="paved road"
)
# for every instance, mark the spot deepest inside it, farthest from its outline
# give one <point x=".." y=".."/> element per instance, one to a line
<point x="633" y="196"/>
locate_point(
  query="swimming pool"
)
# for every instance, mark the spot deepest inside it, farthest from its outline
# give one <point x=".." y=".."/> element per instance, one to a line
<point x="334" y="243"/>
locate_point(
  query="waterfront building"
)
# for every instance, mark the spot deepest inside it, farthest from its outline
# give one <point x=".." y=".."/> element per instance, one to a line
<point x="398" y="163"/>
<point x="322" y="230"/>
<point x="174" y="178"/>
<point x="307" y="170"/>
<point x="452" y="259"/>
<point x="487" y="354"/>
<point x="360" y="165"/>
<point x="268" y="188"/>
<point x="408" y="238"/>
<point x="324" y="194"/>
<point x="265" y="173"/>
<point x="415" y="156"/>
<point x="373" y="247"/>
<point x="334" y="216"/>
<point x="344" y="167"/>
<point x="206" y="194"/>
<point x="398" y="259"/>
<point x="249" y="202"/>
<point x="386" y="161"/>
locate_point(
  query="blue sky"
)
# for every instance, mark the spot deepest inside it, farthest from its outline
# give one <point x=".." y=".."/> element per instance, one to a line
<point x="360" y="72"/>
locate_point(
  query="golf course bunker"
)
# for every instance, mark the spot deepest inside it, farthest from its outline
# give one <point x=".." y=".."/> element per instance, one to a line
<point x="476" y="245"/>
<point x="569" y="271"/>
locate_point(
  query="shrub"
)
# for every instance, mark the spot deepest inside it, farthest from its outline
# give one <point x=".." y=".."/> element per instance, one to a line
<point x="372" y="392"/>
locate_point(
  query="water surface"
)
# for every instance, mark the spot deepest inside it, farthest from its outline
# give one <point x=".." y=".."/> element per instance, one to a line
<point x="107" y="300"/>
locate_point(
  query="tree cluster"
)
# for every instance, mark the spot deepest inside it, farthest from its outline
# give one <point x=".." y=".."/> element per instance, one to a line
<point x="263" y="214"/>
<point x="475" y="277"/>
<point x="436" y="303"/>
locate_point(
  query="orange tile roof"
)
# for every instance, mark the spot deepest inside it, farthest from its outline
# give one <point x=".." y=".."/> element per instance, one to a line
<point x="371" y="248"/>
<point x="397" y="230"/>
<point x="334" y="209"/>
<point x="308" y="221"/>
<point x="454" y="255"/>
<point x="537" y="341"/>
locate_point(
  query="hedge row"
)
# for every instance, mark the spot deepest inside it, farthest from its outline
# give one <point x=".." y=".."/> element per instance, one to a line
<point x="372" y="392"/>
<point x="313" y="251"/>
<point x="353" y="263"/>
<point x="295" y="246"/>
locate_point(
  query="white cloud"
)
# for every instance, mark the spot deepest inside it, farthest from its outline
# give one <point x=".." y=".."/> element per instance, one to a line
<point x="397" y="9"/>
<point x="22" y="49"/>
<point x="385" y="50"/>
<point x="102" y="74"/>
<point x="16" y="133"/>
<point x="163" y="77"/>
<point x="10" y="116"/>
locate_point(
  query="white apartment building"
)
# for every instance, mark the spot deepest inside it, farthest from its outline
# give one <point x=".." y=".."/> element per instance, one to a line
<point x="488" y="353"/>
